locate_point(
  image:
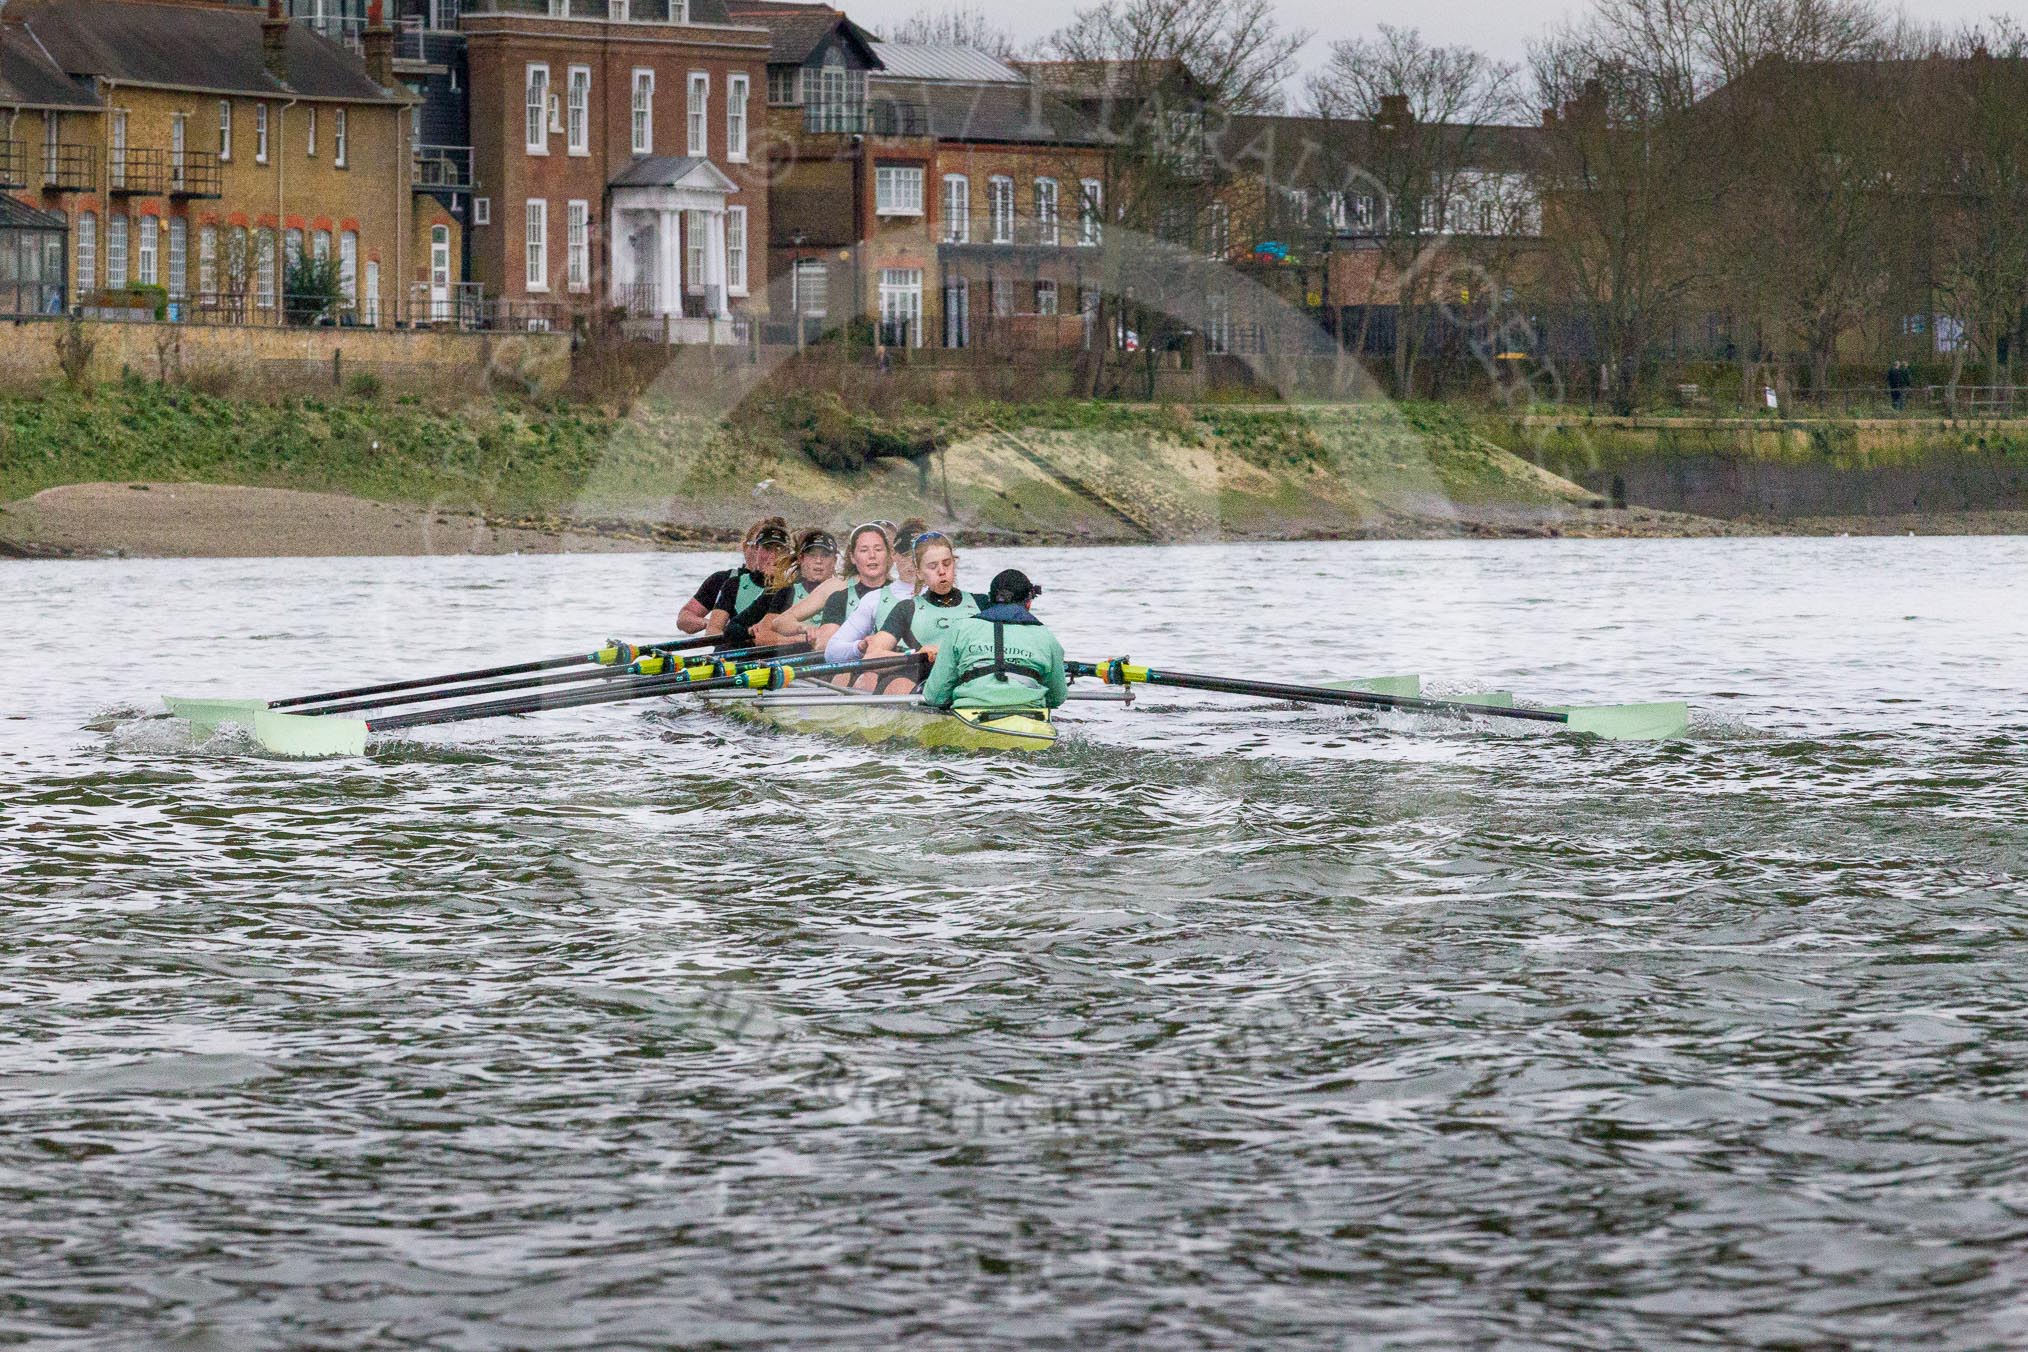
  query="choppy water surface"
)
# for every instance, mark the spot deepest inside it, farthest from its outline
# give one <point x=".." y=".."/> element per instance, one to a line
<point x="1220" y="1025"/>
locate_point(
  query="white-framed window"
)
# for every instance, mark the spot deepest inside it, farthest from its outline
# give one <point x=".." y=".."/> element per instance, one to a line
<point x="179" y="258"/>
<point x="310" y="128"/>
<point x="264" y="270"/>
<point x="320" y="246"/>
<point x="536" y="244"/>
<point x="785" y="85"/>
<point x="694" y="228"/>
<point x="1000" y="293"/>
<point x="1218" y="323"/>
<point x="52" y="136"/>
<point x="1091" y="202"/>
<point x="146" y="272"/>
<point x="901" y="305"/>
<point x="535" y="109"/>
<point x="444" y="15"/>
<point x="348" y="267"/>
<point x="1045" y="297"/>
<point x="957" y="209"/>
<point x="116" y="169"/>
<point x="225" y="129"/>
<point x="1218" y="229"/>
<point x="207" y="261"/>
<point x="87" y="251"/>
<point x="810" y="288"/>
<point x="957" y="312"/>
<point x="644" y="112"/>
<point x="370" y="302"/>
<point x="700" y="114"/>
<point x="1045" y="211"/>
<point x="735" y="117"/>
<point x="177" y="140"/>
<point x="1000" y="209"/>
<point x="116" y="253"/>
<point x="897" y="189"/>
<point x="735" y="251"/>
<point x="338" y="138"/>
<point x="482" y="211"/>
<point x="239" y="262"/>
<point x="292" y="251"/>
<point x="577" y="242"/>
<point x="260" y="133"/>
<point x="577" y="111"/>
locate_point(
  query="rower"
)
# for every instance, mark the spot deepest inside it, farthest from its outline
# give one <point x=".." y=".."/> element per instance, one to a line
<point x="927" y="618"/>
<point x="848" y="643"/>
<point x="751" y="576"/>
<point x="1001" y="658"/>
<point x="768" y="620"/>
<point x="827" y="606"/>
<point x="769" y="569"/>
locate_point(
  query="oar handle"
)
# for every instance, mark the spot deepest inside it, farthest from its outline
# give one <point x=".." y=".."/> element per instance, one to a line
<point x="761" y="676"/>
<point x="614" y="653"/>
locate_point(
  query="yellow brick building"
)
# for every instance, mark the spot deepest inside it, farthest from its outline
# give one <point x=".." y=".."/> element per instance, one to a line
<point x="197" y="148"/>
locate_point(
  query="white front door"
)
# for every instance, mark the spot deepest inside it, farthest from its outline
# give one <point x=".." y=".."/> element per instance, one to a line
<point x="440" y="273"/>
<point x="901" y="306"/>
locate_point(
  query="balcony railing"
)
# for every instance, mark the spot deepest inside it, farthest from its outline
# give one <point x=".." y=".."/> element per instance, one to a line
<point x="74" y="169"/>
<point x="194" y="173"/>
<point x="408" y="39"/>
<point x="137" y="170"/>
<point x="13" y="164"/>
<point x="1043" y="232"/>
<point x="444" y="168"/>
<point x="849" y="117"/>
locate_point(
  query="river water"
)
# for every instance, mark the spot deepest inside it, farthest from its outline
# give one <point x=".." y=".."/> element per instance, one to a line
<point x="1222" y="1024"/>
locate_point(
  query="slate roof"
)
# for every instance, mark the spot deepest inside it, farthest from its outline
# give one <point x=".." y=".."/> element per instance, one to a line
<point x="1021" y="113"/>
<point x="1323" y="152"/>
<point x="943" y="61"/>
<point x="29" y="79"/>
<point x="1102" y="79"/>
<point x="16" y="214"/>
<point x="796" y="30"/>
<point x="190" y="46"/>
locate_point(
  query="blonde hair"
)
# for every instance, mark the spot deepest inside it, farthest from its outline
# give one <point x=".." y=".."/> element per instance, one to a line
<point x="923" y="546"/>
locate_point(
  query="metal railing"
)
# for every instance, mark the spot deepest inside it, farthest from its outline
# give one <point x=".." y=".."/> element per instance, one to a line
<point x="139" y="170"/>
<point x="442" y="167"/>
<point x="638" y="299"/>
<point x="1047" y="232"/>
<point x="13" y="164"/>
<point x="408" y="39"/>
<point x="849" y="117"/>
<point x="75" y="169"/>
<point x="194" y="173"/>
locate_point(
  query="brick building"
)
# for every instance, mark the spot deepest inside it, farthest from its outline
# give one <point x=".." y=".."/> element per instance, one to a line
<point x="194" y="149"/>
<point x="619" y="151"/>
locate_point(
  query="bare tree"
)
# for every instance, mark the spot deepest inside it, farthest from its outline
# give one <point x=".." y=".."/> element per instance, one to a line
<point x="1429" y="109"/>
<point x="964" y="27"/>
<point x="1150" y="76"/>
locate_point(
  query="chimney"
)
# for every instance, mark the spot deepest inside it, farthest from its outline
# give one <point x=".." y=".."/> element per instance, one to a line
<point x="378" y="46"/>
<point x="275" y="41"/>
<point x="1394" y="112"/>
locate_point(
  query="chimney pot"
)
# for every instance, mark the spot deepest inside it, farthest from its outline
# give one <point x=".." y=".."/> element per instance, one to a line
<point x="275" y="42"/>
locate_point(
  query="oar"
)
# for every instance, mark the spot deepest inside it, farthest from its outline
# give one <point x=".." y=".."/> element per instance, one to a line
<point x="654" y="663"/>
<point x="301" y="735"/>
<point x="1626" y="722"/>
<point x="615" y="653"/>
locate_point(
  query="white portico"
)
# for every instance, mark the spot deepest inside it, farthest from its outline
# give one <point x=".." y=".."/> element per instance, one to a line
<point x="667" y="217"/>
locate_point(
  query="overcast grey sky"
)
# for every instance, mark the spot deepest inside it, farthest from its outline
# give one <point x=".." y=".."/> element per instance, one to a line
<point x="1500" y="27"/>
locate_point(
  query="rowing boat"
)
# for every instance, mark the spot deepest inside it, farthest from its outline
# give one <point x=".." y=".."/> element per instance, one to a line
<point x="889" y="718"/>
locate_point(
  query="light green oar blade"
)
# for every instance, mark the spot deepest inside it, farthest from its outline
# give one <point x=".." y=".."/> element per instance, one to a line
<point x="1485" y="699"/>
<point x="1631" y="722"/>
<point x="303" y="735"/>
<point x="1403" y="687"/>
<point x="206" y="714"/>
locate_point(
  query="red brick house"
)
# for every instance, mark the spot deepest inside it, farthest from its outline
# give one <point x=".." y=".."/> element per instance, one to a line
<point x="620" y="145"/>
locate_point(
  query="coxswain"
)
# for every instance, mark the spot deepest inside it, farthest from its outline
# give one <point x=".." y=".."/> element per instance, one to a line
<point x="751" y="575"/>
<point x="927" y="617"/>
<point x="1001" y="658"/>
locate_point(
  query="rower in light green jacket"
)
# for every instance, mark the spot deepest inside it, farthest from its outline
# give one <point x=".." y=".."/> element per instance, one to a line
<point x="1000" y="658"/>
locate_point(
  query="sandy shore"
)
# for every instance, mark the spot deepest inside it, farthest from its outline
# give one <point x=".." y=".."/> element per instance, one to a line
<point x="181" y="520"/>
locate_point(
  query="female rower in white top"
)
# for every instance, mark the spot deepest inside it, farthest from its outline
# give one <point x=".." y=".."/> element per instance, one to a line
<point x="848" y="643"/>
<point x="819" y="614"/>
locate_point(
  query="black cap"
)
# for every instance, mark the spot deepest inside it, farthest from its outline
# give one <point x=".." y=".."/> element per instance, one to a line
<point x="818" y="542"/>
<point x="771" y="537"/>
<point x="1011" y="588"/>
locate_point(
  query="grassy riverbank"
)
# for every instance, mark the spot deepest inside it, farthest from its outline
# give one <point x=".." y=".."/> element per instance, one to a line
<point x="661" y="473"/>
